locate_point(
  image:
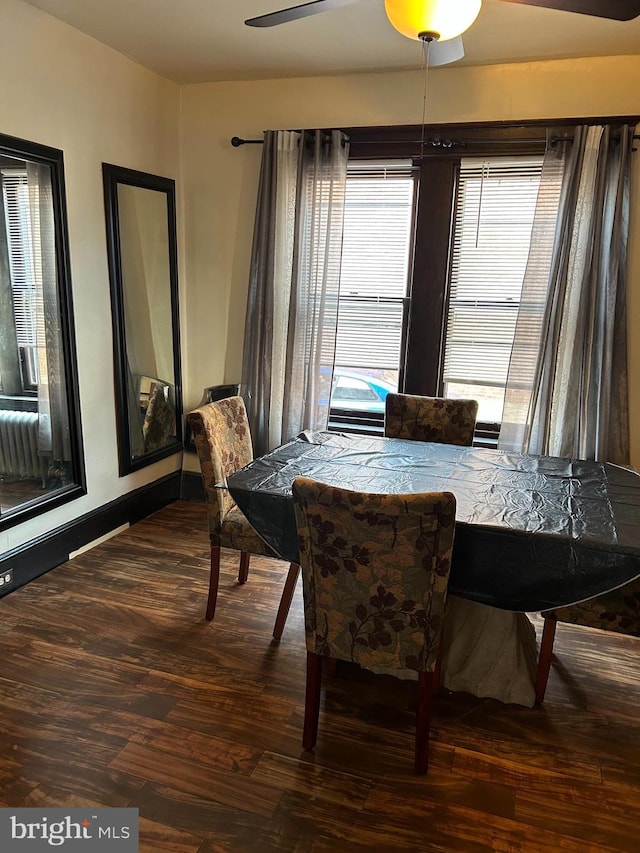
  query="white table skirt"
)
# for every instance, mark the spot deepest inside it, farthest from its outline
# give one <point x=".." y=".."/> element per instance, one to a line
<point x="489" y="652"/>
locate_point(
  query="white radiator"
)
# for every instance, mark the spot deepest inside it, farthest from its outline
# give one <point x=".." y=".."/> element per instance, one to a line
<point x="19" y="444"/>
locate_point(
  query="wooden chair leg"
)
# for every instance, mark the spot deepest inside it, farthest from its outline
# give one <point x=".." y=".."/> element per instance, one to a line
<point x="437" y="673"/>
<point x="285" y="600"/>
<point x="312" y="700"/>
<point x="214" y="578"/>
<point x="544" y="661"/>
<point x="243" y="572"/>
<point x="423" y="721"/>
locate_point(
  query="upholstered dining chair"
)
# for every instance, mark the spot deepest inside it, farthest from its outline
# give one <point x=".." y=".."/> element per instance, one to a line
<point x="617" y="611"/>
<point x="430" y="419"/>
<point x="223" y="442"/>
<point x="375" y="570"/>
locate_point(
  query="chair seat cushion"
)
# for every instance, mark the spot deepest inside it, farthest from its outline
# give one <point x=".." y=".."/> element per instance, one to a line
<point x="237" y="533"/>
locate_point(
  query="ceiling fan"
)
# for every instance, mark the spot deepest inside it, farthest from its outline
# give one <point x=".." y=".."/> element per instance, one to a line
<point x="442" y="21"/>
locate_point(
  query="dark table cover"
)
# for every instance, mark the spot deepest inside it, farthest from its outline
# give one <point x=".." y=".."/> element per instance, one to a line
<point x="532" y="532"/>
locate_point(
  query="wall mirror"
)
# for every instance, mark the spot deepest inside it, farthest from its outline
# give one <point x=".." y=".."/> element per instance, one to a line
<point x="141" y="239"/>
<point x="41" y="457"/>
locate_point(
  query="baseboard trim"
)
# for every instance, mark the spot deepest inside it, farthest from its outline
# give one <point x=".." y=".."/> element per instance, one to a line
<point x="192" y="488"/>
<point x="39" y="556"/>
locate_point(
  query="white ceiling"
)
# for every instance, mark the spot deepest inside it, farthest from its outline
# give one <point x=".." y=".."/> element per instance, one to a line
<point x="192" y="41"/>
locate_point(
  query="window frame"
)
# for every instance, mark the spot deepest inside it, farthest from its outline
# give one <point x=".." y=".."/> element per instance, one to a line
<point x="437" y="152"/>
<point x="20" y="149"/>
<point x="490" y="429"/>
<point x="372" y="422"/>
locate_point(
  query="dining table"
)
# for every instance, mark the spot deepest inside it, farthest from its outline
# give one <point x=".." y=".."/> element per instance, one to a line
<point x="532" y="533"/>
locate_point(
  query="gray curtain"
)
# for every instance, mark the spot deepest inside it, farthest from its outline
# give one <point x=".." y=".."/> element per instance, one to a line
<point x="566" y="389"/>
<point x="54" y="439"/>
<point x="292" y="307"/>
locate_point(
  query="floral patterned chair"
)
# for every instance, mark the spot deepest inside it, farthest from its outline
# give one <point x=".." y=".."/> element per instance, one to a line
<point x="614" y="611"/>
<point x="430" y="419"/>
<point x="159" y="423"/>
<point x="223" y="442"/>
<point x="375" y="571"/>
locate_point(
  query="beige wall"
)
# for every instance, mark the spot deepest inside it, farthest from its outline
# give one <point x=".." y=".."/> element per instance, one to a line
<point x="63" y="89"/>
<point x="220" y="182"/>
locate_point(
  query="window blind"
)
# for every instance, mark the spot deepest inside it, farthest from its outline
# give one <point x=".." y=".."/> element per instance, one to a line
<point x="18" y="224"/>
<point x="495" y="206"/>
<point x="378" y="226"/>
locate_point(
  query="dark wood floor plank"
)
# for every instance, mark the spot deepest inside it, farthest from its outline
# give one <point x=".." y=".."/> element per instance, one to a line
<point x="68" y="670"/>
<point x="88" y="786"/>
<point x="544" y="731"/>
<point x="226" y="828"/>
<point x="198" y="777"/>
<point x="621" y="776"/>
<point x="157" y="837"/>
<point x="535" y="771"/>
<point x="291" y="774"/>
<point x="315" y="824"/>
<point x="447" y="788"/>
<point x="246" y="724"/>
<point x="466" y="826"/>
<point x="589" y="815"/>
<point x="115" y="691"/>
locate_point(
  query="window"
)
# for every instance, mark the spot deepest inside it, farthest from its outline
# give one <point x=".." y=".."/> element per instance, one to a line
<point x="434" y="255"/>
<point x="495" y="206"/>
<point x="373" y="302"/>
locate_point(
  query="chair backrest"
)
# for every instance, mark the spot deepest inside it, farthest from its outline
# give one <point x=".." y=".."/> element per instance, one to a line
<point x="430" y="419"/>
<point x="618" y="610"/>
<point x="160" y="418"/>
<point x="375" y="571"/>
<point x="223" y="442"/>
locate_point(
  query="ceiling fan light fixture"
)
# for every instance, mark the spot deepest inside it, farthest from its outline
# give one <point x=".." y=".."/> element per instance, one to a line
<point x="432" y="19"/>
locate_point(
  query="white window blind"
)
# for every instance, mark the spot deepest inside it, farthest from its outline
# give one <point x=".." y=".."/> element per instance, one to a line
<point x="18" y="224"/>
<point x="376" y="253"/>
<point x="495" y="206"/>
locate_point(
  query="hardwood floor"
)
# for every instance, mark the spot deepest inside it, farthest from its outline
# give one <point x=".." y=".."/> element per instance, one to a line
<point x="114" y="691"/>
<point x="14" y="492"/>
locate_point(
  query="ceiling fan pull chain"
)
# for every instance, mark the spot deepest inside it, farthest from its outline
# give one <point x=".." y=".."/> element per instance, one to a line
<point x="426" y="49"/>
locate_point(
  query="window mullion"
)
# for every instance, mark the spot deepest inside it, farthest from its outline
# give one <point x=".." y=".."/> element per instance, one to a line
<point x="434" y="218"/>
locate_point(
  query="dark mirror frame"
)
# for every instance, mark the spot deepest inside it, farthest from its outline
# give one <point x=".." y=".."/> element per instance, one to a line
<point x="112" y="177"/>
<point x="22" y="149"/>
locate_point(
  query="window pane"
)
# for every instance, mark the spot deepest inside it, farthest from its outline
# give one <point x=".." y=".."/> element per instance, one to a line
<point x="495" y="207"/>
<point x="19" y="238"/>
<point x="378" y="233"/>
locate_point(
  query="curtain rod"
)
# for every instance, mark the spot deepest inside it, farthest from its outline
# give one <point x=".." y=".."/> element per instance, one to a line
<point x="432" y="142"/>
<point x="236" y="141"/>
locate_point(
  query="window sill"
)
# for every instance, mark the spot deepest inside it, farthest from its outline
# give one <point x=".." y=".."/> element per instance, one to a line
<point x="18" y="404"/>
<point x="361" y="423"/>
<point x="372" y="423"/>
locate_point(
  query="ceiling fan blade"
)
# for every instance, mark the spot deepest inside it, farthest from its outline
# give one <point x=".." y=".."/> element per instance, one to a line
<point x="616" y="10"/>
<point x="445" y="52"/>
<point x="296" y="12"/>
